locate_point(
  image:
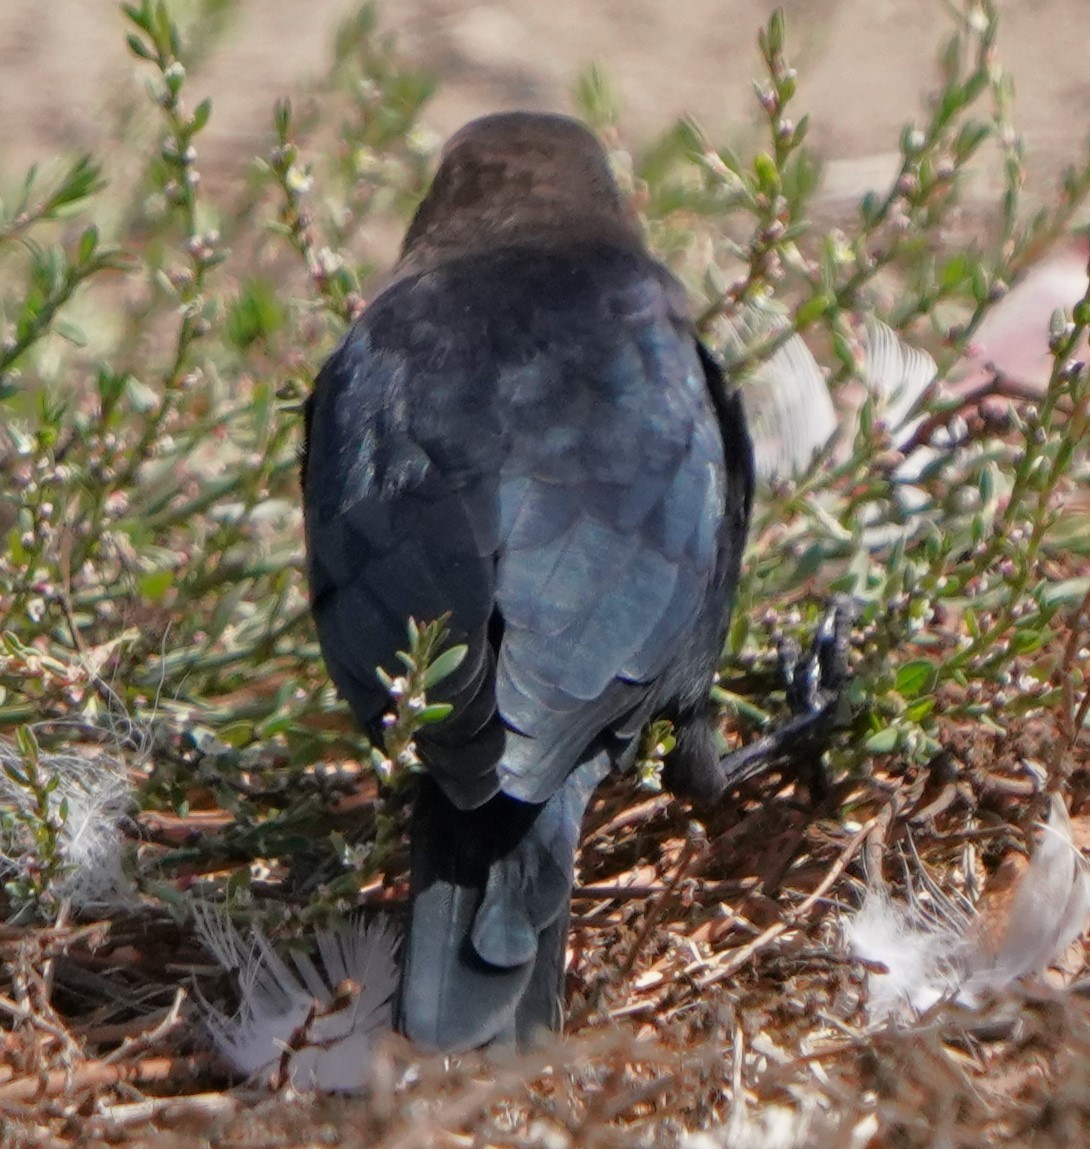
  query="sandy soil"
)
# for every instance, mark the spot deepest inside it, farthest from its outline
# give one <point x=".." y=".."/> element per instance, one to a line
<point x="864" y="66"/>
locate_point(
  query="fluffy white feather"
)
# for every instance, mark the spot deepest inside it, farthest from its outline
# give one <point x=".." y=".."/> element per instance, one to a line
<point x="90" y="798"/>
<point x="788" y="405"/>
<point x="314" y="1027"/>
<point x="918" y="951"/>
<point x="1049" y="910"/>
<point x="789" y="410"/>
<point x="811" y="1122"/>
<point x="896" y="374"/>
<point x="925" y="955"/>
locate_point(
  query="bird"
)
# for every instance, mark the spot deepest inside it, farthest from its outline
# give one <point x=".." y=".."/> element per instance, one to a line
<point x="523" y="434"/>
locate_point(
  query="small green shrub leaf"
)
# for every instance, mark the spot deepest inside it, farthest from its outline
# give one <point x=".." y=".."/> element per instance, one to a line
<point x="915" y="678"/>
<point x="445" y="665"/>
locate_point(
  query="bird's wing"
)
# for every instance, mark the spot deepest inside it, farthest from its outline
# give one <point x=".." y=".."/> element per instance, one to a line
<point x="611" y="518"/>
<point x="393" y="535"/>
<point x="545" y="465"/>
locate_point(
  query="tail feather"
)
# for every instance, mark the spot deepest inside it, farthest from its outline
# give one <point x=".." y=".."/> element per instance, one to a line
<point x="541" y="1007"/>
<point x="491" y="891"/>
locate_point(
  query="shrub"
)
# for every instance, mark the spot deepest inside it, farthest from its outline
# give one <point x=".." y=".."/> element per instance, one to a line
<point x="156" y="341"/>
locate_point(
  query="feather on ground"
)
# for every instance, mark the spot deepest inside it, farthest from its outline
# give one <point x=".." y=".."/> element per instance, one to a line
<point x="940" y="951"/>
<point x="312" y="1027"/>
<point x="89" y="799"/>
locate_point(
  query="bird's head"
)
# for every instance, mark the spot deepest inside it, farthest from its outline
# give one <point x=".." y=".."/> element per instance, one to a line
<point x="518" y="177"/>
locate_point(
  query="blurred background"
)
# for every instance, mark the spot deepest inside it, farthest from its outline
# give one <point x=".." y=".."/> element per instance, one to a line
<point x="864" y="66"/>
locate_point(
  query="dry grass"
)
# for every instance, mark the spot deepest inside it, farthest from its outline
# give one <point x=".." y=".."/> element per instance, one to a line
<point x="708" y="989"/>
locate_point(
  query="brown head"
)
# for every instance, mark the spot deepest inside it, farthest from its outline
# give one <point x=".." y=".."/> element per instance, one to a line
<point x="518" y="177"/>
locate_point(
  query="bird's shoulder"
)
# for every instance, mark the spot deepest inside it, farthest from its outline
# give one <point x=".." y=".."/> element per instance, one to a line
<point x="525" y="299"/>
<point x="526" y="353"/>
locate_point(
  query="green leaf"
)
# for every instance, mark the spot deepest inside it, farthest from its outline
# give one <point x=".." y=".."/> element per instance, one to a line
<point x="596" y="98"/>
<point x="883" y="742"/>
<point x="1027" y="641"/>
<point x="777" y="33"/>
<point x="434" y="713"/>
<point x="69" y="331"/>
<point x="224" y="612"/>
<point x="920" y="709"/>
<point x="1069" y="590"/>
<point x="768" y="176"/>
<point x="915" y="678"/>
<point x="138" y="48"/>
<point x="155" y="584"/>
<point x="955" y="271"/>
<point x="141" y="398"/>
<point x="868" y="207"/>
<point x="971" y="624"/>
<point x="814" y="308"/>
<point x="970" y="137"/>
<point x="278" y="724"/>
<point x="236" y="734"/>
<point x="26" y="742"/>
<point x="282" y="117"/>
<point x="201" y="113"/>
<point x="88" y="241"/>
<point x="16" y="550"/>
<point x="256" y="315"/>
<point x="139" y="15"/>
<point x="446" y="664"/>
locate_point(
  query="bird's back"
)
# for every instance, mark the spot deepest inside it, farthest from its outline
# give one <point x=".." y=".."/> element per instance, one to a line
<point x="526" y="440"/>
<point x="523" y="433"/>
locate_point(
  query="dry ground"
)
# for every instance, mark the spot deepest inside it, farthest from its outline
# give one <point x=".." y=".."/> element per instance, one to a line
<point x="864" y="66"/>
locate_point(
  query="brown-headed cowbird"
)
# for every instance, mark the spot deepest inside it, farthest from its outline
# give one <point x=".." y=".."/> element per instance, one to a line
<point x="523" y="432"/>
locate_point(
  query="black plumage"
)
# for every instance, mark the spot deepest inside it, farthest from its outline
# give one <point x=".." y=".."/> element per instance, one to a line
<point x="524" y="432"/>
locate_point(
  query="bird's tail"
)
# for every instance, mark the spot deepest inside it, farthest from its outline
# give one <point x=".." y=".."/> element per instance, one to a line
<point x="491" y="891"/>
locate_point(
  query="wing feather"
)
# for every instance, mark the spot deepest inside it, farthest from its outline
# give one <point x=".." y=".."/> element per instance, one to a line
<point x="564" y="504"/>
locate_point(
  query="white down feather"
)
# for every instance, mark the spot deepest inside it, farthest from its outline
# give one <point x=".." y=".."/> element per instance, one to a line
<point x="314" y="1027"/>
<point x="923" y="956"/>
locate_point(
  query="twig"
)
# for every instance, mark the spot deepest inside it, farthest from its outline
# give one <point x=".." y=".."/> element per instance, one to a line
<point x="629" y="816"/>
<point x="995" y="386"/>
<point x="99" y="1075"/>
<point x="107" y="1033"/>
<point x="653" y="915"/>
<point x="169" y="1109"/>
<point x="1072" y="717"/>
<point x="650" y="921"/>
<point x="25" y="1014"/>
<point x="740" y="956"/>
<point x="132" y="1045"/>
<point x="738" y="1055"/>
<point x="709" y="891"/>
<point x="876" y="840"/>
<point x="49" y="962"/>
